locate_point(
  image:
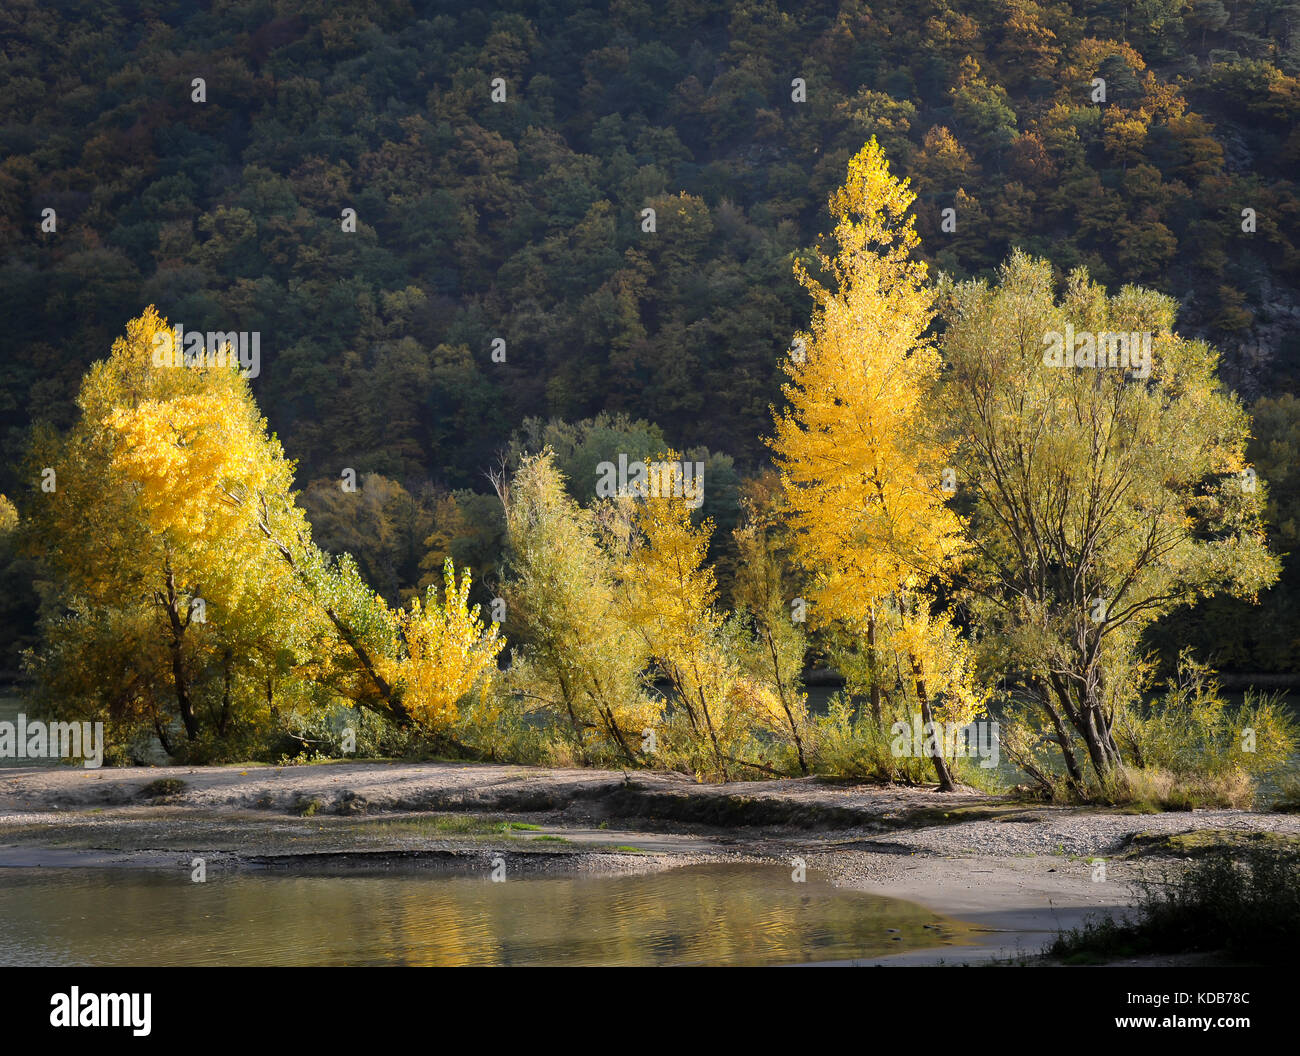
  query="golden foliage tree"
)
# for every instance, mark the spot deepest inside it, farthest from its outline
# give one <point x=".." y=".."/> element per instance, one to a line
<point x="862" y="472"/>
<point x="145" y="535"/>
<point x="578" y="657"/>
<point x="188" y="588"/>
<point x="446" y="651"/>
<point x="670" y="600"/>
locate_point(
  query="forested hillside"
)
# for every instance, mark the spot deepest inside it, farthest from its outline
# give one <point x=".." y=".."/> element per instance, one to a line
<point x="481" y="220"/>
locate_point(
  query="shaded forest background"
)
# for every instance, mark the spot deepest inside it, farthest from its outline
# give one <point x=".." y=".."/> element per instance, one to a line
<point x="522" y="220"/>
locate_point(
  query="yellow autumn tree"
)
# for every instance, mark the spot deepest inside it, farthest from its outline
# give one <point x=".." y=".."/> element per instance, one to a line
<point x="188" y="592"/>
<point x="863" y="476"/>
<point x="171" y="610"/>
<point x="767" y="632"/>
<point x="447" y="650"/>
<point x="670" y="600"/>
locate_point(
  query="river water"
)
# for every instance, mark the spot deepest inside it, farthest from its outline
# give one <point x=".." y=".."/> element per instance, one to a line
<point x="738" y="914"/>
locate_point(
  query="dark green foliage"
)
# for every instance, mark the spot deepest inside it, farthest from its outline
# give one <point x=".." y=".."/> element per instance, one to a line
<point x="521" y="220"/>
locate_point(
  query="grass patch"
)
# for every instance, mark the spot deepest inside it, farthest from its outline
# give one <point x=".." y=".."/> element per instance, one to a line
<point x="164" y="786"/>
<point x="450" y="825"/>
<point x="306" y="806"/>
<point x="549" y="839"/>
<point x="930" y="817"/>
<point x="1205" y="842"/>
<point x="1288" y="797"/>
<point x="1248" y="909"/>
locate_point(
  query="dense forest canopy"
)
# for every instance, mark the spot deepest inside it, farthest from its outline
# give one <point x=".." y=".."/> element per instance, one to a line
<point x="521" y="221"/>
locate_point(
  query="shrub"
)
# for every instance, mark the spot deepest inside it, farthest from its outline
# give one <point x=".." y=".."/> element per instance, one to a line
<point x="162" y="788"/>
<point x="847" y="743"/>
<point x="1249" y="909"/>
<point x="1188" y="747"/>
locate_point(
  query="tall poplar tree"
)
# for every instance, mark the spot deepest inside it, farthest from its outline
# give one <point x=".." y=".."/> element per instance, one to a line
<point x="861" y="469"/>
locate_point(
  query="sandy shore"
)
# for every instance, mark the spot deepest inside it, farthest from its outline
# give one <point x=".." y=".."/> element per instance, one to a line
<point x="1017" y="872"/>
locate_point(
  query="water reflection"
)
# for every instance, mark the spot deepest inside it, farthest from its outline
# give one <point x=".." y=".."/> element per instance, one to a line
<point x="719" y="914"/>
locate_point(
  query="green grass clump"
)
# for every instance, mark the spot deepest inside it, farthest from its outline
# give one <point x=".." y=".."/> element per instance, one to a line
<point x="449" y="825"/>
<point x="164" y="786"/>
<point x="1247" y="909"/>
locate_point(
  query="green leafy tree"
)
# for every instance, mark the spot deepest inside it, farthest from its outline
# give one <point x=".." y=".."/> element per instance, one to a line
<point x="1098" y="500"/>
<point x="578" y="658"/>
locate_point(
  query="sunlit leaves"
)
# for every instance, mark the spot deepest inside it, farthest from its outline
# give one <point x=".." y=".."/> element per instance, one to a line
<point x="447" y="648"/>
<point x="858" y="461"/>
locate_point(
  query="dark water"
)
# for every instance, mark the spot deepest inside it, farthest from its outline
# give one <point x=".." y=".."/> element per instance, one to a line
<point x="716" y="914"/>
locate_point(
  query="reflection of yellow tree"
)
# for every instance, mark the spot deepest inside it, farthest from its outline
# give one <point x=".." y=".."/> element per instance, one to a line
<point x="737" y="914"/>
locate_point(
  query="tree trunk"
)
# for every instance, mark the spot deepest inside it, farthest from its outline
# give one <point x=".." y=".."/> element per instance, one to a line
<point x="179" y="678"/>
<point x="780" y="686"/>
<point x="162" y="736"/>
<point x="713" y="737"/>
<point x="873" y="674"/>
<point x="607" y="714"/>
<point x="1062" y="734"/>
<point x="946" y="783"/>
<point x="573" y="718"/>
<point x="1101" y="746"/>
<point x="1089" y="719"/>
<point x="617" y="734"/>
<point x="392" y="705"/>
<point x="224" y="720"/>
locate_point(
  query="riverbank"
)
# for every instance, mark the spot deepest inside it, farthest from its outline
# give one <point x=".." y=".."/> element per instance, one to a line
<point x="1016" y="872"/>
